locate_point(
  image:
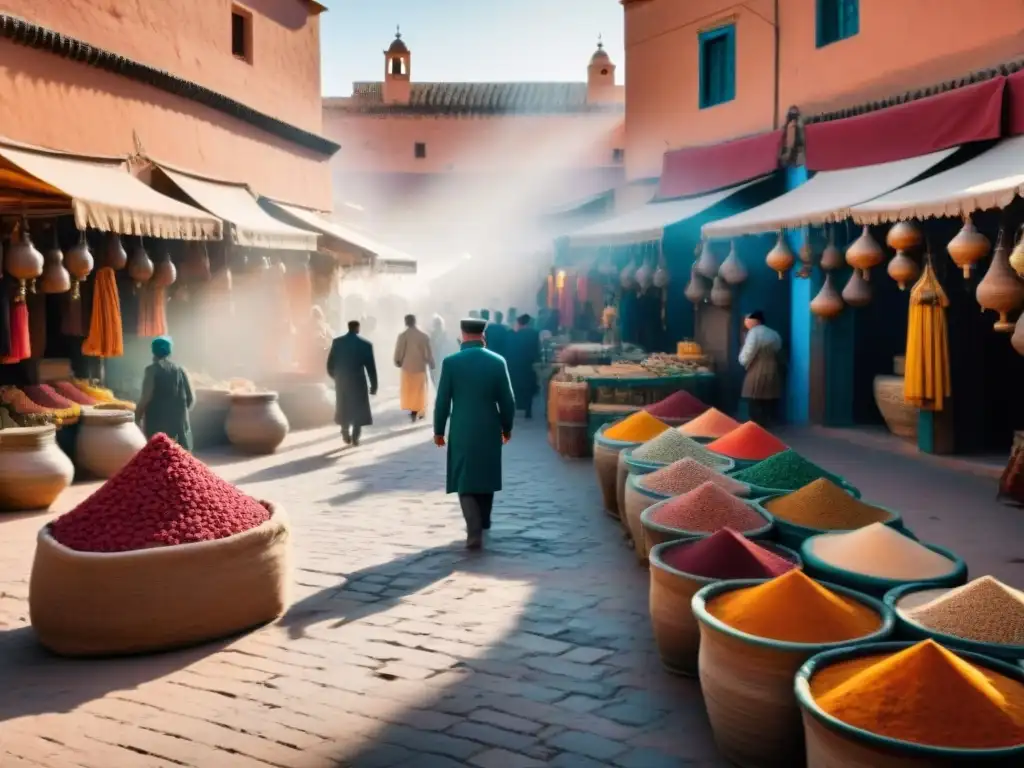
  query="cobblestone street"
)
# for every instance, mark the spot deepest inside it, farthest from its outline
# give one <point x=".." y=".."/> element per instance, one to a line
<point x="400" y="649"/>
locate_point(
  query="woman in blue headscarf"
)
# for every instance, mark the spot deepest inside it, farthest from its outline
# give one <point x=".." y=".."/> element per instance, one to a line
<point x="166" y="397"/>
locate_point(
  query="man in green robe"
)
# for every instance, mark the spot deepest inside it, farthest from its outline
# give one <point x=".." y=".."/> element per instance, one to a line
<point x="166" y="397"/>
<point x="475" y="392"/>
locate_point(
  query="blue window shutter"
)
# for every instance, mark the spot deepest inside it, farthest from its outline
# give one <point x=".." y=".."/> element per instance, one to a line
<point x="716" y="66"/>
<point x="819" y="22"/>
<point x="729" y="76"/>
<point x="849" y="18"/>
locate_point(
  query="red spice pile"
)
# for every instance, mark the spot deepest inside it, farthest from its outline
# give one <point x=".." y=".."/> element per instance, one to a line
<point x="726" y="555"/>
<point x="163" y="496"/>
<point x="73" y="393"/>
<point x="678" y="405"/>
<point x="46" y="396"/>
<point x="748" y="441"/>
<point x="706" y="509"/>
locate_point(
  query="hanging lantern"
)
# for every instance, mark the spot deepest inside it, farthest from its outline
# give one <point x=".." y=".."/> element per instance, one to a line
<point x="903" y="236"/>
<point x="807" y="250"/>
<point x="1017" y="257"/>
<point x="22" y="261"/>
<point x="643" y="277"/>
<point x="903" y="270"/>
<point x="140" y="266"/>
<point x="780" y="258"/>
<point x="696" y="290"/>
<point x="721" y="294"/>
<point x="661" y="277"/>
<point x="828" y="303"/>
<point x="857" y="292"/>
<point x="707" y="264"/>
<point x="626" y="276"/>
<point x="55" y="277"/>
<point x="165" y="273"/>
<point x="1000" y="290"/>
<point x="114" y="253"/>
<point x="831" y="258"/>
<point x="79" y="262"/>
<point x="732" y="269"/>
<point x="968" y="247"/>
<point x="864" y="254"/>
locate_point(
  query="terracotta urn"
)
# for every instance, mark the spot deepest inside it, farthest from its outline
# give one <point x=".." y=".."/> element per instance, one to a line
<point x="33" y="469"/>
<point x="256" y="424"/>
<point x="864" y="254"/>
<point x="903" y="236"/>
<point x="828" y="303"/>
<point x="780" y="258"/>
<point x="107" y="440"/>
<point x="1000" y="290"/>
<point x="968" y="247"/>
<point x="903" y="269"/>
<point x="79" y="262"/>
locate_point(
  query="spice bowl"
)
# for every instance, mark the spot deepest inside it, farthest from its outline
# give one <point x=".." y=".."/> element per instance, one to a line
<point x="657" y="533"/>
<point x="793" y="535"/>
<point x="676" y="632"/>
<point x="832" y="742"/>
<point x="909" y="596"/>
<point x="878" y="586"/>
<point x="747" y="681"/>
<point x="606" y="465"/>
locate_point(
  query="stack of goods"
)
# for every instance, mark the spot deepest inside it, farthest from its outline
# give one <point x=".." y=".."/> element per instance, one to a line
<point x="672" y="445"/>
<point x="685" y="475"/>
<point x="636" y="428"/>
<point x="922" y="695"/>
<point x="786" y="471"/>
<point x="822" y="506"/>
<point x="26" y="412"/>
<point x="710" y="425"/>
<point x="677" y="408"/>
<point x="679" y="569"/>
<point x="753" y="639"/>
<point x="982" y="611"/>
<point x="130" y="568"/>
<point x="749" y="443"/>
<point x="877" y="558"/>
<point x="661" y="364"/>
<point x="706" y="509"/>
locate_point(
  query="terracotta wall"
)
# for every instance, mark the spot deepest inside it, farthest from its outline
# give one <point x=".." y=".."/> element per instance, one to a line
<point x="902" y="45"/>
<point x="192" y="39"/>
<point x="54" y="102"/>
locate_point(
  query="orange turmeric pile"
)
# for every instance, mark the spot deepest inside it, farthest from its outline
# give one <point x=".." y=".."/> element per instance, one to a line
<point x="927" y="695"/>
<point x="638" y="427"/>
<point x="796" y="609"/>
<point x="105" y="337"/>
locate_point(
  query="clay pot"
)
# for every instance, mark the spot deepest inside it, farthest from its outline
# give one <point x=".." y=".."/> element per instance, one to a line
<point x="828" y="303"/>
<point x="79" y="262"/>
<point x="864" y="253"/>
<point x="780" y="258"/>
<point x="857" y="292"/>
<point x="900" y="416"/>
<point x="165" y="273"/>
<point x="115" y="254"/>
<point x="903" y="236"/>
<point x="55" y="277"/>
<point x="1000" y="290"/>
<point x="256" y="424"/>
<point x="707" y="264"/>
<point x="696" y="290"/>
<point x="307" y="404"/>
<point x="721" y="294"/>
<point x="903" y="269"/>
<point x="107" y="440"/>
<point x="22" y="260"/>
<point x="831" y="257"/>
<point x="140" y="266"/>
<point x="33" y="470"/>
<point x="968" y="247"/>
<point x="732" y="269"/>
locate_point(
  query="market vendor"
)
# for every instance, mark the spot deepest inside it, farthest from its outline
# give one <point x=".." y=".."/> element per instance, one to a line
<point x="166" y="397"/>
<point x="762" y="384"/>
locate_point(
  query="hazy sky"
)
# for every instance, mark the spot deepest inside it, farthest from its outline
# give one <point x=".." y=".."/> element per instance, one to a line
<point x="468" y="40"/>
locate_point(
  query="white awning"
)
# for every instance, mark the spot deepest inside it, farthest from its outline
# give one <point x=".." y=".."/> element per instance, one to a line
<point x="648" y="222"/>
<point x="826" y="197"/>
<point x="990" y="180"/>
<point x="101" y="193"/>
<point x="251" y="226"/>
<point x="385" y="258"/>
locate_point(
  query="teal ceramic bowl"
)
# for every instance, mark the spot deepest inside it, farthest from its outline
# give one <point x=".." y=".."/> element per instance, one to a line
<point x="877" y="585"/>
<point x="657" y="533"/>
<point x="793" y="535"/>
<point x="910" y="596"/>
<point x="821" y="728"/>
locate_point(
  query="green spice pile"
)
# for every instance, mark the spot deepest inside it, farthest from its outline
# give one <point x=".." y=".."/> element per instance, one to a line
<point x="984" y="610"/>
<point x="785" y="471"/>
<point x="672" y="445"/>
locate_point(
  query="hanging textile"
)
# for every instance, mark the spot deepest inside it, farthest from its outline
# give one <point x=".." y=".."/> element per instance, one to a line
<point x="5" y="319"/>
<point x="106" y="335"/>
<point x="926" y="383"/>
<point x="21" y="341"/>
<point x="152" y="320"/>
<point x="36" y="303"/>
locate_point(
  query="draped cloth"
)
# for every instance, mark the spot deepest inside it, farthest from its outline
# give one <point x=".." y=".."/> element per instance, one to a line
<point x="413" y="392"/>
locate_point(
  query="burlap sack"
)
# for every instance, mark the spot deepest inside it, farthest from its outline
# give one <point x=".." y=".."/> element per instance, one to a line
<point x="99" y="604"/>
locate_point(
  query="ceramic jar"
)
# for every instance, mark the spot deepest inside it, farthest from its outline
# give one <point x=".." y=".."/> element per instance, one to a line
<point x="256" y="424"/>
<point x="107" y="440"/>
<point x="33" y="469"/>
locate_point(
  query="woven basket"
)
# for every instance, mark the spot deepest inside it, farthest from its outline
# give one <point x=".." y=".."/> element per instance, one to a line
<point x="832" y="743"/>
<point x="105" y="604"/>
<point x="747" y="683"/>
<point x="675" y="629"/>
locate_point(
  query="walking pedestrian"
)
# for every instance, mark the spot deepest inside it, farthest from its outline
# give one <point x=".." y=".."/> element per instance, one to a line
<point x="166" y="397"/>
<point x="496" y="335"/>
<point x="414" y="356"/>
<point x="523" y="354"/>
<point x="475" y="393"/>
<point x="350" y="363"/>
<point x="762" y="384"/>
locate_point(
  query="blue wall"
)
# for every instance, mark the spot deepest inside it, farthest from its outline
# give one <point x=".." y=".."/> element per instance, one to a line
<point x="798" y="380"/>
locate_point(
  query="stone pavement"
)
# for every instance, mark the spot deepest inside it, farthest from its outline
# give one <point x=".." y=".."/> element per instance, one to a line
<point x="401" y="648"/>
